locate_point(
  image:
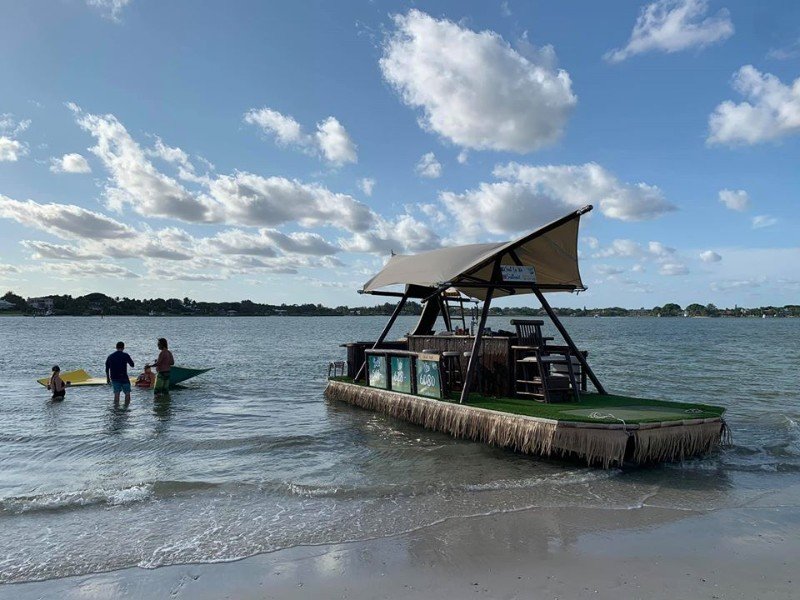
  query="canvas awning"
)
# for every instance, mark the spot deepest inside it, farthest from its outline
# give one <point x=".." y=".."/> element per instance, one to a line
<point x="547" y="258"/>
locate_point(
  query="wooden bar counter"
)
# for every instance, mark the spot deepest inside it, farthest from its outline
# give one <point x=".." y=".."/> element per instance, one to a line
<point x="496" y="377"/>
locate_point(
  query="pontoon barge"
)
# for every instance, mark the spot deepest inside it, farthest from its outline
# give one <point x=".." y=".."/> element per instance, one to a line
<point x="517" y="389"/>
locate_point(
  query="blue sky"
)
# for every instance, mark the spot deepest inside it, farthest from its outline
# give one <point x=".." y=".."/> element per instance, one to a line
<point x="278" y="152"/>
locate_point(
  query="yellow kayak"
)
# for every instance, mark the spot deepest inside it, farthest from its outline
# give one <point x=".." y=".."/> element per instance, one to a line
<point x="80" y="378"/>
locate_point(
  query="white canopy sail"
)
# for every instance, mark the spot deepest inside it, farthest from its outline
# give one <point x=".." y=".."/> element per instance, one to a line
<point x="546" y="259"/>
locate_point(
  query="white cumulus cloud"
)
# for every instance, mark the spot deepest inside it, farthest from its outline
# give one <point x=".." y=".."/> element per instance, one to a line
<point x="709" y="256"/>
<point x="621" y="248"/>
<point x="673" y="25"/>
<point x="659" y="249"/>
<point x="11" y="150"/>
<point x="12" y="126"/>
<point x="238" y="199"/>
<point x="403" y="234"/>
<point x="473" y="88"/>
<point x="7" y="269"/>
<point x="366" y="185"/>
<point x="608" y="270"/>
<point x="625" y="248"/>
<point x="70" y="163"/>
<point x="771" y="110"/>
<point x="737" y="200"/>
<point x="285" y="129"/>
<point x="673" y="268"/>
<point x="253" y="200"/>
<point x="267" y="242"/>
<point x="66" y="220"/>
<point x="530" y="195"/>
<point x="331" y="139"/>
<point x="428" y="166"/>
<point x="48" y="251"/>
<point x="334" y="142"/>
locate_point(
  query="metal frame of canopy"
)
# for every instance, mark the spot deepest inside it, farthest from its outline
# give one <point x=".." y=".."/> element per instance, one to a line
<point x="467" y="281"/>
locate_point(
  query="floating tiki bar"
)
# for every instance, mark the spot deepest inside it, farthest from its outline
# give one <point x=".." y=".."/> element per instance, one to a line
<point x="518" y="389"/>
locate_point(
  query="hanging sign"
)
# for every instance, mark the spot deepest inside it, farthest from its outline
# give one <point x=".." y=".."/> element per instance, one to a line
<point x="518" y="273"/>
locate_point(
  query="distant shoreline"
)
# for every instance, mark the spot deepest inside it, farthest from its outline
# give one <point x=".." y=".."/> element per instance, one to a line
<point x="505" y="314"/>
<point x="95" y="304"/>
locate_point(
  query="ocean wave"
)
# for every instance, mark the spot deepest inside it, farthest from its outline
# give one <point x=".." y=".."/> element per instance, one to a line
<point x="558" y="478"/>
<point x="364" y="492"/>
<point x="140" y="492"/>
<point x="67" y="500"/>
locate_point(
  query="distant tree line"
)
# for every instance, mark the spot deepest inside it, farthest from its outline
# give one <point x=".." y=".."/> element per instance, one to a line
<point x="668" y="310"/>
<point x="100" y="304"/>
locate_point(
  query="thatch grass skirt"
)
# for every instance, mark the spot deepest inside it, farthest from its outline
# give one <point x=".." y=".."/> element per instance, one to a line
<point x="598" y="444"/>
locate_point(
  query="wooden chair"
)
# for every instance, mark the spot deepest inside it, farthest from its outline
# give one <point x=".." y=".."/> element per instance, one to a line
<point x="542" y="372"/>
<point x="529" y="332"/>
<point x="337" y="368"/>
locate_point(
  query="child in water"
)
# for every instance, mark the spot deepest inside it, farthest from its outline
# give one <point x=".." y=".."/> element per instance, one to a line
<point x="57" y="385"/>
<point x="146" y="379"/>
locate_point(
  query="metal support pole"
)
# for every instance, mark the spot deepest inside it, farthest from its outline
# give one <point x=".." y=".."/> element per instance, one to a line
<point x="445" y="313"/>
<point x="474" y="359"/>
<point x="573" y="348"/>
<point x="385" y="331"/>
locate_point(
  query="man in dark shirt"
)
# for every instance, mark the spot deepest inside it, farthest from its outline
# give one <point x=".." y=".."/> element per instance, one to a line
<point x="117" y="372"/>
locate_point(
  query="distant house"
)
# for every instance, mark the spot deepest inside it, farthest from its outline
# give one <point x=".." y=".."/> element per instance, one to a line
<point x="232" y="313"/>
<point x="43" y="303"/>
<point x="5" y="305"/>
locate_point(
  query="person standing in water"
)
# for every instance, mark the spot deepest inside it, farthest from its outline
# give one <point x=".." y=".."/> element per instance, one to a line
<point x="162" y="364"/>
<point x="117" y="372"/>
<point x="57" y="385"/>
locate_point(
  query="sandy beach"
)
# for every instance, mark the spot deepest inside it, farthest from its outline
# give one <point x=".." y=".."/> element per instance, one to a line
<point x="747" y="552"/>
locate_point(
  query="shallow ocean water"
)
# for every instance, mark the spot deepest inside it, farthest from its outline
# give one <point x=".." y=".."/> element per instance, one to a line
<point x="251" y="458"/>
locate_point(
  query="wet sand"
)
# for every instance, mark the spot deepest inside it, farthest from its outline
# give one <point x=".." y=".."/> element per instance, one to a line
<point x="746" y="552"/>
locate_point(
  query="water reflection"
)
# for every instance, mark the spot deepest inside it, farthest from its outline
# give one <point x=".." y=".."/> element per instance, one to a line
<point x="118" y="418"/>
<point x="163" y="411"/>
<point x="52" y="415"/>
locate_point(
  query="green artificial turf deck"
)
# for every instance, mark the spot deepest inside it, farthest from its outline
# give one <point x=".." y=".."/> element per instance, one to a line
<point x="598" y="408"/>
<point x="593" y="408"/>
